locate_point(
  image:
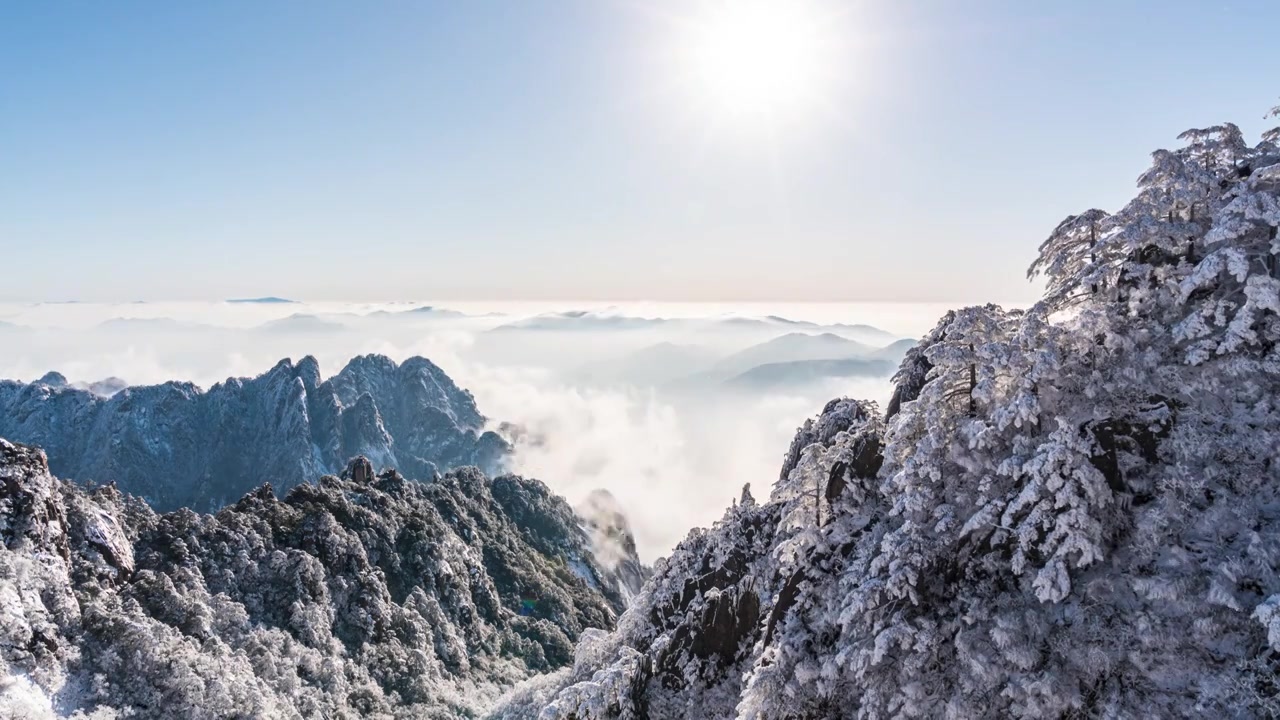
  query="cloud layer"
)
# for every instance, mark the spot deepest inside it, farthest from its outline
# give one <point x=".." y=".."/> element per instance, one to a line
<point x="645" y="401"/>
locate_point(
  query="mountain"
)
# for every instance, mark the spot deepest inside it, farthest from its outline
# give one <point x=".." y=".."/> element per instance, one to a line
<point x="895" y="351"/>
<point x="790" y="374"/>
<point x="581" y="321"/>
<point x="792" y="347"/>
<point x="263" y="301"/>
<point x="588" y="320"/>
<point x="1068" y="511"/>
<point x="105" y="387"/>
<point x="359" y="596"/>
<point x="434" y="312"/>
<point x="179" y="446"/>
<point x="596" y="342"/>
<point x="788" y="361"/>
<point x="301" y="323"/>
<point x="866" y="334"/>
<point x="799" y="372"/>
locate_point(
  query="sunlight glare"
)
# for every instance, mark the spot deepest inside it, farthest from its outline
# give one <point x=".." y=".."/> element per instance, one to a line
<point x="759" y="60"/>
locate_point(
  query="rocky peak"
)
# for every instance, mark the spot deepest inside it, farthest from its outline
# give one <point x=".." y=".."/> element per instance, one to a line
<point x="31" y="518"/>
<point x="53" y="379"/>
<point x="612" y="541"/>
<point x="107" y="387"/>
<point x="177" y="445"/>
<point x="364" y="432"/>
<point x="308" y="370"/>
<point x="837" y="416"/>
<point x="359" y="471"/>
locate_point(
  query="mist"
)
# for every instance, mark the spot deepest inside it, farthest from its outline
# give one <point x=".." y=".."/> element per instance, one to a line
<point x="671" y="408"/>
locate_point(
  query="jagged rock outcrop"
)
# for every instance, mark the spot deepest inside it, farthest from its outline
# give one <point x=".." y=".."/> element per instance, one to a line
<point x="360" y="596"/>
<point x="697" y="617"/>
<point x="913" y="371"/>
<point x="178" y="446"/>
<point x="839" y="415"/>
<point x="680" y="650"/>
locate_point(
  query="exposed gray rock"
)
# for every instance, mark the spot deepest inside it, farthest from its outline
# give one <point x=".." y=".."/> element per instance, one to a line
<point x="837" y="416"/>
<point x="53" y="379"/>
<point x="178" y="446"/>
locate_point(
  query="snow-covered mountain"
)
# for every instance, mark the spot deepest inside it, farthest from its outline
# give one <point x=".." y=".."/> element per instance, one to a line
<point x="179" y="446"/>
<point x="1065" y="512"/>
<point x="1068" y="511"/>
<point x="359" y="596"/>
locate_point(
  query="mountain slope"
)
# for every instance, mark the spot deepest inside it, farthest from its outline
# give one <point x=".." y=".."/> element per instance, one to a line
<point x="798" y="372"/>
<point x="360" y="596"/>
<point x="179" y="446"/>
<point x="792" y="347"/>
<point x="1070" y="511"/>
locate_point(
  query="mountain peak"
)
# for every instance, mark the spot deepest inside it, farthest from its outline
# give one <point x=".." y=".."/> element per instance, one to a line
<point x="308" y="369"/>
<point x="359" y="470"/>
<point x="53" y="380"/>
<point x="176" y="445"/>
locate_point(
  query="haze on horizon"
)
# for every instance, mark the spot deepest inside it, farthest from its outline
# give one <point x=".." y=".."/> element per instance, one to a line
<point x="611" y="151"/>
<point x="667" y="410"/>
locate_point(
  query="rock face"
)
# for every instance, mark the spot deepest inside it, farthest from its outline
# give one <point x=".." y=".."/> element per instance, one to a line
<point x="612" y="541"/>
<point x="178" y="446"/>
<point x="682" y="647"/>
<point x="361" y="596"/>
<point x="839" y="415"/>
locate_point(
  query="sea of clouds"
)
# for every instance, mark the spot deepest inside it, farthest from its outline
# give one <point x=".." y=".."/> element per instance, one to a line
<point x="656" y="403"/>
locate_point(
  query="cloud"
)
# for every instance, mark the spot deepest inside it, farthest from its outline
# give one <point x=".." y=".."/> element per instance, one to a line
<point x="674" y="456"/>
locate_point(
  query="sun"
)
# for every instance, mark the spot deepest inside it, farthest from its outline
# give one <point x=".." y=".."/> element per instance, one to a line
<point x="759" y="60"/>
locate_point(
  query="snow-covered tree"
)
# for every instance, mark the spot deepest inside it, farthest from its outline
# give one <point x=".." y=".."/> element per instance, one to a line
<point x="1078" y="511"/>
<point x="1070" y="258"/>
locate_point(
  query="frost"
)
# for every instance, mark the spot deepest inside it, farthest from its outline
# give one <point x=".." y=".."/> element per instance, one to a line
<point x="1065" y="511"/>
<point x="363" y="596"/>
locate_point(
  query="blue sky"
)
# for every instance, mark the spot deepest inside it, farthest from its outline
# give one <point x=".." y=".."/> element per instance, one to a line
<point x="535" y="150"/>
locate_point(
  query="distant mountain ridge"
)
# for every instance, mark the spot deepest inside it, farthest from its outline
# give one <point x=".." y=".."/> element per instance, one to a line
<point x="582" y="320"/>
<point x="263" y="301"/>
<point x="179" y="446"/>
<point x="793" y="360"/>
<point x="793" y="347"/>
<point x="795" y="372"/>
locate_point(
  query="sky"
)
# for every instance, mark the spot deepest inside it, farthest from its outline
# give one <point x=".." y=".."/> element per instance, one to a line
<point x="559" y="150"/>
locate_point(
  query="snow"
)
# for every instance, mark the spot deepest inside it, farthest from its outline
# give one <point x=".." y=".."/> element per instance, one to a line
<point x="1078" y="511"/>
<point x="1069" y="510"/>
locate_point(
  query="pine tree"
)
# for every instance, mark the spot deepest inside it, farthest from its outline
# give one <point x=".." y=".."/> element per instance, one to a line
<point x="1069" y="258"/>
